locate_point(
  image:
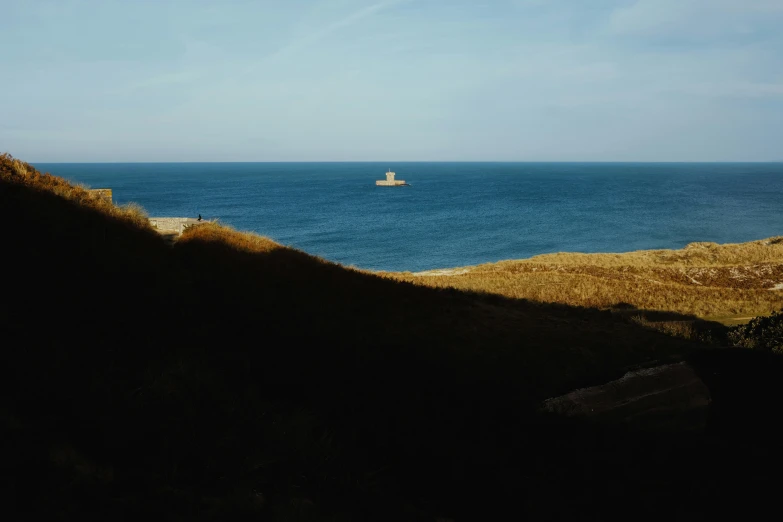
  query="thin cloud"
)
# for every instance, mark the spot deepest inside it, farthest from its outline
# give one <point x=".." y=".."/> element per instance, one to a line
<point x="164" y="79"/>
<point x="737" y="90"/>
<point x="693" y="19"/>
<point x="316" y="36"/>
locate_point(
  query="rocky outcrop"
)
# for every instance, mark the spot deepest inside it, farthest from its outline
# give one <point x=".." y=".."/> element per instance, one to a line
<point x="669" y="397"/>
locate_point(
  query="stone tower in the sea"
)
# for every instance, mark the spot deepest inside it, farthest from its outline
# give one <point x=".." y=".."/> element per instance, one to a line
<point x="390" y="181"/>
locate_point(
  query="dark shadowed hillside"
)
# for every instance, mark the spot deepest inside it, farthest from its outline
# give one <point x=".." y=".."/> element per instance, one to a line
<point x="228" y="377"/>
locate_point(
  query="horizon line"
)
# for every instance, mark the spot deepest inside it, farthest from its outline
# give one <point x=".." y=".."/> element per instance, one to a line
<point x="410" y="161"/>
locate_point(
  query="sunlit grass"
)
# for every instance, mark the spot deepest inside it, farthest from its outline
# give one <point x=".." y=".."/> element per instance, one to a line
<point x="703" y="279"/>
<point x="18" y="172"/>
<point x="243" y="241"/>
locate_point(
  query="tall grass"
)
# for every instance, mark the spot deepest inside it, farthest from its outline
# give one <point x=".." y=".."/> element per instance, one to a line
<point x="703" y="279"/>
<point x="18" y="172"/>
<point x="215" y="232"/>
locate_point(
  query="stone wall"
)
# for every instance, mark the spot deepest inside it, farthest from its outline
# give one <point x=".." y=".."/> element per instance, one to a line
<point x="101" y="193"/>
<point x="173" y="225"/>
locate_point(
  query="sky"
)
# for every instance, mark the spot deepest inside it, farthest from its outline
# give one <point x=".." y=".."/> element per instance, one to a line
<point x="391" y="80"/>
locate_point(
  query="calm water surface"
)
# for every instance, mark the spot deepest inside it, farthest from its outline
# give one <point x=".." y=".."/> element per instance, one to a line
<point x="456" y="214"/>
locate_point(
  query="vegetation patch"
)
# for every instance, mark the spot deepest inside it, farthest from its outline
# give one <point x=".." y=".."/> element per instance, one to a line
<point x="761" y="333"/>
<point x="231" y="378"/>
<point x="704" y="280"/>
<point x="18" y="172"/>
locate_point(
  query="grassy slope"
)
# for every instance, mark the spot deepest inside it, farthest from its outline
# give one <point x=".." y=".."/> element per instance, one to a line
<point x="231" y="377"/>
<point x="711" y="281"/>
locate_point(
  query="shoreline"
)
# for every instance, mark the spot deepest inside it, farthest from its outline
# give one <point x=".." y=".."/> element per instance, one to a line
<point x="462" y="269"/>
<point x="729" y="283"/>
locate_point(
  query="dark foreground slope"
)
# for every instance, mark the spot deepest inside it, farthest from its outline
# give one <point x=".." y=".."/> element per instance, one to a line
<point x="231" y="378"/>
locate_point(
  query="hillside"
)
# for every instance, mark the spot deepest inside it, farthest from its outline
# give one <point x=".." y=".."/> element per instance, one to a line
<point x="727" y="283"/>
<point x="228" y="377"/>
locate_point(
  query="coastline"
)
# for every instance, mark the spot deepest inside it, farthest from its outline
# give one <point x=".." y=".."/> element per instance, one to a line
<point x="728" y="283"/>
<point x="457" y="215"/>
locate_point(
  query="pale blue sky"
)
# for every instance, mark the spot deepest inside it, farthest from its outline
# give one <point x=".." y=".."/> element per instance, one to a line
<point x="309" y="80"/>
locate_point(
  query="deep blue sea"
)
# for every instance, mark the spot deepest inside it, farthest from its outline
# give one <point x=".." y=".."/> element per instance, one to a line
<point x="457" y="214"/>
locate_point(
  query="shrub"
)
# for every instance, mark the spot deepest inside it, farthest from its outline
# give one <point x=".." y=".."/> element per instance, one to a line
<point x="762" y="333"/>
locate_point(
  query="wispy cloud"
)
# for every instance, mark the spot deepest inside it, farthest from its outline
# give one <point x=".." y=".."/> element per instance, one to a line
<point x="164" y="80"/>
<point x="694" y="19"/>
<point x="737" y="90"/>
<point x="464" y="79"/>
<point x="316" y="36"/>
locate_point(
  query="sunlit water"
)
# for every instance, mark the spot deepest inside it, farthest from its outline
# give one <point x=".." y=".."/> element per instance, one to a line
<point x="456" y="214"/>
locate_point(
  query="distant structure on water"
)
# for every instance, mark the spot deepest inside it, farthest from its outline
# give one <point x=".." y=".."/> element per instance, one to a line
<point x="390" y="181"/>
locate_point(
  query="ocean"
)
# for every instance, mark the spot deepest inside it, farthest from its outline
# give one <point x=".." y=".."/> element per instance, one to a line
<point x="457" y="214"/>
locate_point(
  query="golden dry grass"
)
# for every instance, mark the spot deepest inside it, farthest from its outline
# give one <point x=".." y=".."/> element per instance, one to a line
<point x="18" y="172"/>
<point x="707" y="280"/>
<point x="242" y="241"/>
<point x="730" y="283"/>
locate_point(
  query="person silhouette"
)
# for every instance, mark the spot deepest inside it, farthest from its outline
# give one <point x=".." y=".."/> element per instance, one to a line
<point x="199" y="217"/>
